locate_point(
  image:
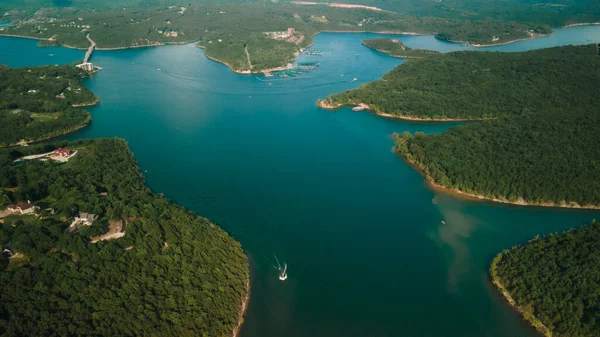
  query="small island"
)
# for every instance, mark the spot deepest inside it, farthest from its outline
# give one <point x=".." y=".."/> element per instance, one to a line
<point x="39" y="103"/>
<point x="553" y="282"/>
<point x="88" y="249"/>
<point x="396" y="48"/>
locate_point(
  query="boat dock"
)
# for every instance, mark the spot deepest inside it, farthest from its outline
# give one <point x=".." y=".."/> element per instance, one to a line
<point x="308" y="65"/>
<point x="313" y="51"/>
<point x="300" y="68"/>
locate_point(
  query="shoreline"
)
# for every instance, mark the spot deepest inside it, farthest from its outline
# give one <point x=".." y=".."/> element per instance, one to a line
<point x="385" y="32"/>
<point x="236" y="329"/>
<point x="77" y="128"/>
<point x="471" y="196"/>
<point x="157" y="44"/>
<point x="534" y="321"/>
<point x="388" y="53"/>
<point x="241" y="72"/>
<point x="581" y="24"/>
<point x="250" y="72"/>
<point x="27" y="142"/>
<point x="324" y="105"/>
<point x="479" y="45"/>
<point x="83" y="105"/>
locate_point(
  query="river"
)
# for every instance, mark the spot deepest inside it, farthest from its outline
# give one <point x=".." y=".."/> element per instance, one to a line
<point x="361" y="232"/>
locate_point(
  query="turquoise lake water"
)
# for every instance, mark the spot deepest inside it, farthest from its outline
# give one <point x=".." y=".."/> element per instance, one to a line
<point x="322" y="190"/>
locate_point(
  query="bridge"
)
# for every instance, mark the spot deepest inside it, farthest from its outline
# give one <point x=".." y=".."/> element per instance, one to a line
<point x="87" y="65"/>
<point x="90" y="50"/>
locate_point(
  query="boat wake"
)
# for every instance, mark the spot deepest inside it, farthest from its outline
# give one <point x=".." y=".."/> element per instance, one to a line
<point x="281" y="269"/>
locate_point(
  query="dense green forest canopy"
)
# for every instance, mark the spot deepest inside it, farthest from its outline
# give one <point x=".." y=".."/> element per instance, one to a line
<point x="556" y="280"/>
<point x="553" y="12"/>
<point x="396" y="48"/>
<point x="543" y="152"/>
<point x="238" y="24"/>
<point x="172" y="274"/>
<point x="37" y="103"/>
<point x="479" y="85"/>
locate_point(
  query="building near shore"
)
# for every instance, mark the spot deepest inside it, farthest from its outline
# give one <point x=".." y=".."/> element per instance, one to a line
<point x="87" y="66"/>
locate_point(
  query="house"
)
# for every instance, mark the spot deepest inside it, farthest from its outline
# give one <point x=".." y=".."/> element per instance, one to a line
<point x="61" y="154"/>
<point x="22" y="207"/>
<point x="83" y="219"/>
<point x="87" y="66"/>
<point x="7" y="253"/>
<point x="291" y="31"/>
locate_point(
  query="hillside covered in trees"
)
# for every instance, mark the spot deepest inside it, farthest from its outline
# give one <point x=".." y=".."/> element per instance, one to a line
<point x="227" y="29"/>
<point x="555" y="281"/>
<point x="480" y="85"/>
<point x="171" y="274"/>
<point x="37" y="103"/>
<point x="396" y="48"/>
<point x="544" y="152"/>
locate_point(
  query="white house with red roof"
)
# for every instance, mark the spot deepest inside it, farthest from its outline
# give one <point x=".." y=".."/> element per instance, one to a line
<point x="22" y="207"/>
<point x="61" y="154"/>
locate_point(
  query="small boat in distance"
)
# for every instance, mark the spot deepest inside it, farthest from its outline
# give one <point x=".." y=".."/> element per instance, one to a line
<point x="283" y="273"/>
<point x="281" y="270"/>
<point x="358" y="108"/>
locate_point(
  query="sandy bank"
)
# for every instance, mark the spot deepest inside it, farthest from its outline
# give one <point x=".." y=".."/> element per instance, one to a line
<point x="326" y="104"/>
<point x="82" y="105"/>
<point x="236" y="330"/>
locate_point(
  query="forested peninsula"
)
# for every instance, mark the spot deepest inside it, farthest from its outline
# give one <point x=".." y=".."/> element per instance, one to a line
<point x="396" y="48"/>
<point x="540" y="148"/>
<point x="38" y="103"/>
<point x="471" y="85"/>
<point x="554" y="281"/>
<point x="159" y="271"/>
<point x="248" y="37"/>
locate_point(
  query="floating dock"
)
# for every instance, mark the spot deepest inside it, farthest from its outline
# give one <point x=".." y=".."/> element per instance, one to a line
<point x="313" y="52"/>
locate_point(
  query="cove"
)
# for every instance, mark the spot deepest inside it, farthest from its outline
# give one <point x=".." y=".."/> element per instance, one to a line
<point x="359" y="229"/>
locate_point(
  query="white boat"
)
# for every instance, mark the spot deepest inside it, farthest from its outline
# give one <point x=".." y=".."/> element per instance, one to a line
<point x="358" y="108"/>
<point x="283" y="273"/>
